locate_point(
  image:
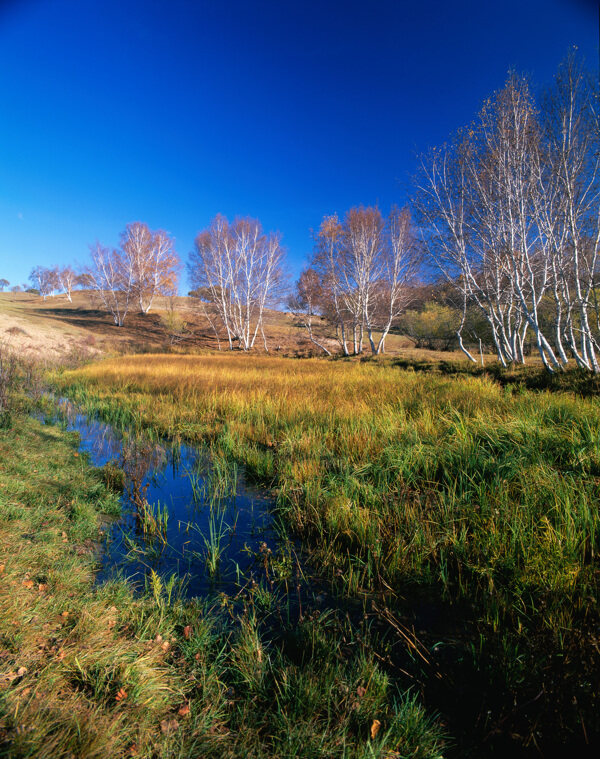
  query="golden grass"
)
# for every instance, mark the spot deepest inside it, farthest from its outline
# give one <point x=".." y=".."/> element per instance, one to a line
<point x="393" y="471"/>
<point x="314" y="387"/>
<point x="396" y="479"/>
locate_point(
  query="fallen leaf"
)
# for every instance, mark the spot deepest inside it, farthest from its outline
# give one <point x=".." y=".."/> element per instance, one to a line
<point x="2" y="568"/>
<point x="184" y="710"/>
<point x="21" y="671"/>
<point x="360" y="691"/>
<point x="42" y="587"/>
<point x="121" y="695"/>
<point x="168" y="725"/>
<point x="76" y="454"/>
<point x="158" y="639"/>
<point x="375" y="728"/>
<point x="28" y="584"/>
<point x="187" y="632"/>
<point x="64" y="614"/>
<point x="165" y="645"/>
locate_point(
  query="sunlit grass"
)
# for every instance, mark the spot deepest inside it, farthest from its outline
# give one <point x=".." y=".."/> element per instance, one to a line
<point x="404" y="482"/>
<point x="415" y="475"/>
<point x="105" y="672"/>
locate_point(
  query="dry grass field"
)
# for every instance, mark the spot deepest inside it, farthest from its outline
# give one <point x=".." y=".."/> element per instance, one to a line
<point x="55" y="327"/>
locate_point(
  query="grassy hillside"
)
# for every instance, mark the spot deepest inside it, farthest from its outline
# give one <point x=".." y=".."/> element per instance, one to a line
<point x="56" y="327"/>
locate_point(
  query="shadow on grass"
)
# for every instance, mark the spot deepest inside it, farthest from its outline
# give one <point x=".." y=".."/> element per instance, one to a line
<point x="573" y="380"/>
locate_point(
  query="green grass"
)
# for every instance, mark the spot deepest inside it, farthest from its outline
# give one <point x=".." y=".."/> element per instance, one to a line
<point x="404" y="483"/>
<point x="407" y="478"/>
<point x="97" y="671"/>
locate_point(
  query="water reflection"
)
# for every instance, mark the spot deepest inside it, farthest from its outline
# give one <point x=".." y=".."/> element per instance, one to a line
<point x="184" y="511"/>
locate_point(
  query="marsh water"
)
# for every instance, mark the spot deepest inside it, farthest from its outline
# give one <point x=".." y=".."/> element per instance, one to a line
<point x="189" y="514"/>
<point x="183" y="512"/>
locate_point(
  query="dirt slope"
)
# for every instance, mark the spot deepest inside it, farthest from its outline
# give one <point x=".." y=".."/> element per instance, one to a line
<point x="55" y="327"/>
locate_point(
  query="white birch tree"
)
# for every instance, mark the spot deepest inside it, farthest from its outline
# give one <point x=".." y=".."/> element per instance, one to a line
<point x="509" y="212"/>
<point x="239" y="270"/>
<point x="153" y="262"/>
<point x="365" y="264"/>
<point x="67" y="279"/>
<point x="570" y="213"/>
<point x="111" y="281"/>
<point x="307" y="304"/>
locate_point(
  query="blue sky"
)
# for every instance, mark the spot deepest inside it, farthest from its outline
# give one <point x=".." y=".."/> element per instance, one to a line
<point x="170" y="112"/>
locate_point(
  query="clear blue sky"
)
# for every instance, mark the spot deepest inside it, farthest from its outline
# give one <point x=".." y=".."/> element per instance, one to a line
<point x="169" y="112"/>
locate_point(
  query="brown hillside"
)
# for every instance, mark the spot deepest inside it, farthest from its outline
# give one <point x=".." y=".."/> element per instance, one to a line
<point x="54" y="327"/>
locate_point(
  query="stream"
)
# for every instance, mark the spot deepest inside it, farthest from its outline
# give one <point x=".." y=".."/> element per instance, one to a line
<point x="200" y="519"/>
<point x="188" y="514"/>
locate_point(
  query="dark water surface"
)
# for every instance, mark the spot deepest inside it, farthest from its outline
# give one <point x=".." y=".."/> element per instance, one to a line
<point x="212" y="510"/>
